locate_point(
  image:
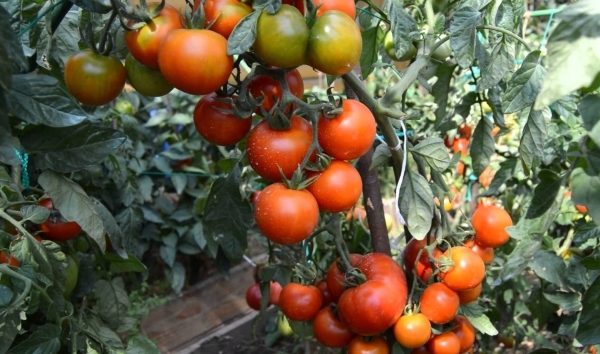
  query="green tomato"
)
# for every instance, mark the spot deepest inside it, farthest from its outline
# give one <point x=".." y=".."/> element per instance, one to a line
<point x="442" y="52"/>
<point x="284" y="326"/>
<point x="71" y="276"/>
<point x="389" y="46"/>
<point x="146" y="80"/>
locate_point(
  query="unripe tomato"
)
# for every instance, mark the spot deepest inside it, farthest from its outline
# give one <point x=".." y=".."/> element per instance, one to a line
<point x="390" y="49"/>
<point x="329" y="330"/>
<point x="467" y="270"/>
<point x="283" y="325"/>
<point x="442" y="52"/>
<point x="350" y="134"/>
<point x="439" y="303"/>
<point x="145" y="80"/>
<point x="6" y="258"/>
<point x="445" y="343"/>
<point x="486" y="253"/>
<point x="412" y="330"/>
<point x="346" y="6"/>
<point x="224" y="15"/>
<point x="286" y="216"/>
<point x="300" y="302"/>
<point x="337" y="188"/>
<point x="335" y="43"/>
<point x="94" y="79"/>
<point x="374" y="345"/>
<point x="144" y="43"/>
<point x="281" y="38"/>
<point x="490" y="223"/>
<point x="465" y="332"/>
<point x="470" y="295"/>
<point x="272" y="151"/>
<point x="217" y="126"/>
<point x="270" y="90"/>
<point x="71" y="276"/>
<point x="195" y="61"/>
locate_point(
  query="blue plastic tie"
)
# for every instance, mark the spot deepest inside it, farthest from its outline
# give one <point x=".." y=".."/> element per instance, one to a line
<point x="472" y="179"/>
<point x="24" y="159"/>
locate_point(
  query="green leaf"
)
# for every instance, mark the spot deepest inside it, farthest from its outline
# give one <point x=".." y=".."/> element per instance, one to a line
<point x="440" y="91"/>
<point x="545" y="193"/>
<point x="244" y="34"/>
<point x="124" y="265"/>
<point x="6" y="295"/>
<point x="533" y="139"/>
<point x="381" y="156"/>
<point x="112" y="301"/>
<point x="433" y="151"/>
<point x="482" y="145"/>
<point x="402" y="25"/>
<point x="569" y="302"/>
<point x="586" y="191"/>
<point x="56" y="48"/>
<point x="589" y="108"/>
<point x="141" y="345"/>
<point x="519" y="258"/>
<point x="479" y="320"/>
<point x="11" y="52"/>
<point x="524" y="85"/>
<point x="99" y="331"/>
<point x="504" y="173"/>
<point x="35" y="214"/>
<point x="10" y="322"/>
<point x="176" y="276"/>
<point x="501" y="64"/>
<point x="588" y="331"/>
<point x="45" y="339"/>
<point x="71" y="148"/>
<point x="463" y="33"/>
<point x="549" y="267"/>
<point x="118" y="240"/>
<point x="41" y="99"/>
<point x="99" y="6"/>
<point x="573" y="52"/>
<point x="368" y="56"/>
<point x="270" y="6"/>
<point x="167" y="254"/>
<point x="416" y="204"/>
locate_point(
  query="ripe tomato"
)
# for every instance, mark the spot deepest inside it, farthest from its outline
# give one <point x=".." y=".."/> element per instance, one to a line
<point x="330" y="330"/>
<point x="486" y="253"/>
<point x="145" y="80"/>
<point x="286" y="216"/>
<point x="375" y="305"/>
<point x="465" y="131"/>
<point x="581" y="208"/>
<point x="346" y="6"/>
<point x="490" y="223"/>
<point x="274" y="292"/>
<point x="460" y="145"/>
<point x="337" y="188"/>
<point x="327" y="298"/>
<point x="271" y="151"/>
<point x="412" y="330"/>
<point x="184" y="49"/>
<point x="270" y="90"/>
<point x="335" y="43"/>
<point x="335" y="278"/>
<point x="469" y="295"/>
<point x="439" y="303"/>
<point x="56" y="228"/>
<point x="465" y="332"/>
<point x="6" y="258"/>
<point x="281" y="38"/>
<point x="375" y="345"/>
<point x="144" y="44"/>
<point x="445" y="343"/>
<point x="468" y="269"/>
<point x="424" y="267"/>
<point x="224" y="14"/>
<point x="350" y="134"/>
<point x="217" y="126"/>
<point x="254" y="295"/>
<point x="300" y="302"/>
<point x="94" y="79"/>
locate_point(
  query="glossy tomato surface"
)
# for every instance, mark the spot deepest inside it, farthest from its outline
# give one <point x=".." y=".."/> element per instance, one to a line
<point x="145" y="80"/>
<point x="490" y="223"/>
<point x="412" y="330"/>
<point x="337" y="188"/>
<point x="445" y="343"/>
<point x="439" y="303"/>
<point x="300" y="302"/>
<point x="329" y="330"/>
<point x="467" y="271"/>
<point x="217" y="126"/>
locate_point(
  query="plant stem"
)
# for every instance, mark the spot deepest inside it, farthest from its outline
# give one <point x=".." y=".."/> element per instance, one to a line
<point x="506" y="32"/>
<point x="430" y="15"/>
<point x="336" y="230"/>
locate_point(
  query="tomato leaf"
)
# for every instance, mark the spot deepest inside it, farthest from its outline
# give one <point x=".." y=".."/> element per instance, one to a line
<point x="45" y="339"/>
<point x="569" y="302"/>
<point x="440" y="91"/>
<point x="525" y="84"/>
<point x="479" y="320"/>
<point x="53" y="49"/>
<point x="402" y="25"/>
<point x="10" y="320"/>
<point x="589" y="108"/>
<point x="368" y="56"/>
<point x="117" y="238"/>
<point x="520" y="256"/>
<point x="544" y="194"/>
<point x="482" y="145"/>
<point x="588" y="331"/>
<point x="433" y="151"/>
<point x="35" y="214"/>
<point x="12" y="58"/>
<point x="112" y="301"/>
<point x="100" y="332"/>
<point x="533" y="139"/>
<point x="549" y="267"/>
<point x="244" y="34"/>
<point x="501" y="63"/>
<point x="176" y="276"/>
<point x="416" y="204"/>
<point x="463" y="34"/>
<point x="505" y="173"/>
<point x="381" y="156"/>
<point x="141" y="345"/>
<point x="270" y="6"/>
<point x="494" y="99"/>
<point x="98" y="6"/>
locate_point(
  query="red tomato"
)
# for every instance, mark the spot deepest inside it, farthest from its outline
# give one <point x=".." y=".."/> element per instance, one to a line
<point x="6" y="258"/>
<point x="486" y="253"/>
<point x="384" y="291"/>
<point x="375" y="345"/>
<point x="300" y="302"/>
<point x="465" y="332"/>
<point x="439" y="303"/>
<point x="184" y="49"/>
<point x="460" y="145"/>
<point x="465" y="131"/>
<point x="445" y="343"/>
<point x="448" y="141"/>
<point x="335" y="278"/>
<point x="337" y="188"/>
<point x="350" y="134"/>
<point x="272" y="151"/>
<point x="286" y="216"/>
<point x="274" y="292"/>
<point x="144" y="43"/>
<point x="254" y="296"/>
<point x="581" y="208"/>
<point x="224" y="14"/>
<point x="469" y="295"/>
<point x="327" y="298"/>
<point x="412" y="330"/>
<point x="270" y="90"/>
<point x="346" y="6"/>
<point x="56" y="228"/>
<point x="330" y="330"/>
<point x="217" y="126"/>
<point x="490" y="223"/>
<point x="468" y="269"/>
<point x="424" y="267"/>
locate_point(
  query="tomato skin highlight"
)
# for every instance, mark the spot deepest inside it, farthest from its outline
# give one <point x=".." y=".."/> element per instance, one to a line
<point x="412" y="330"/>
<point x="94" y="79"/>
<point x="445" y="343"/>
<point x="350" y="134"/>
<point x="376" y="345"/>
<point x="182" y="52"/>
<point x="330" y="330"/>
<point x="300" y="302"/>
<point x="286" y="216"/>
<point x="439" y="303"/>
<point x="490" y="223"/>
<point x="224" y="14"/>
<point x="145" y="80"/>
<point x="337" y="188"/>
<point x="270" y="150"/>
<point x="468" y="269"/>
<point x="216" y="126"/>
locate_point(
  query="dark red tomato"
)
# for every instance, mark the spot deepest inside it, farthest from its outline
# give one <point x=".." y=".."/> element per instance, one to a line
<point x="448" y="141"/>
<point x="375" y="305"/>
<point x="224" y="15"/>
<point x="361" y="345"/>
<point x="335" y="278"/>
<point x="270" y="91"/>
<point x="281" y="38"/>
<point x="182" y="52"/>
<point x="490" y="223"/>
<point x="145" y="80"/>
<point x="335" y="43"/>
<point x="424" y="267"/>
<point x="445" y="343"/>
<point x="330" y="330"/>
<point x="465" y="332"/>
<point x="460" y="145"/>
<point x="216" y="125"/>
<point x="6" y="258"/>
<point x="94" y="79"/>
<point x="486" y="253"/>
<point x="467" y="270"/>
<point x="346" y="6"/>
<point x="337" y="188"/>
<point x="144" y="44"/>
<point x="299" y="4"/>
<point x="350" y="134"/>
<point x="46" y="203"/>
<point x="300" y="302"/>
<point x="254" y="296"/>
<point x="470" y="295"/>
<point x="56" y="228"/>
<point x="465" y="131"/>
<point x="286" y="216"/>
<point x="327" y="298"/>
<point x="439" y="303"/>
<point x="272" y="151"/>
<point x="412" y="330"/>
